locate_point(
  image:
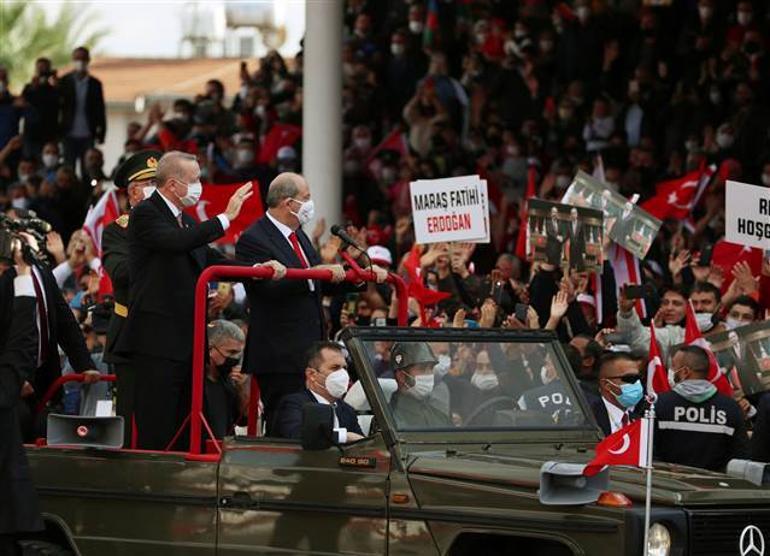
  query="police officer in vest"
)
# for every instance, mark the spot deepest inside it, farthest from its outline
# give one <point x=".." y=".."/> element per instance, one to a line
<point x="696" y="425"/>
<point x="137" y="177"/>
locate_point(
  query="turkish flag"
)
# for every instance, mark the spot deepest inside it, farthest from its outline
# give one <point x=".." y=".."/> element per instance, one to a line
<point x="280" y="135"/>
<point x="676" y="198"/>
<point x="424" y="295"/>
<point x="99" y="216"/>
<point x="214" y="201"/>
<point x="657" y="377"/>
<point x="726" y="255"/>
<point x="693" y="337"/>
<point x="393" y="141"/>
<point x="626" y="446"/>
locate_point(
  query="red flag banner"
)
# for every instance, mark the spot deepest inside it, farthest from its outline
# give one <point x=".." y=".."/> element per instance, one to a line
<point x="676" y="198"/>
<point x="626" y="446"/>
<point x="693" y="337"/>
<point x="280" y="135"/>
<point x="726" y="255"/>
<point x="657" y="376"/>
<point x="214" y="201"/>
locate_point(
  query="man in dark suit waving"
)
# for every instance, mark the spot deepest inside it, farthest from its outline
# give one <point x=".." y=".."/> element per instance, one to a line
<point x="326" y="382"/>
<point x="168" y="252"/>
<point x="286" y="317"/>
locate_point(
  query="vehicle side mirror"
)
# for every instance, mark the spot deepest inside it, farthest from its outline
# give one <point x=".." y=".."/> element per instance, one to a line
<point x="757" y="472"/>
<point x="317" y="426"/>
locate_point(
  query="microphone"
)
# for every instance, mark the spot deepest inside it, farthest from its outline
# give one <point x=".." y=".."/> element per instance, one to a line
<point x="340" y="232"/>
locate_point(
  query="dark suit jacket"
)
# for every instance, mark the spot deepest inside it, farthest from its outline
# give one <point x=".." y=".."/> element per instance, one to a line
<point x="95" y="110"/>
<point x="18" y="357"/>
<point x="285" y="315"/>
<point x="600" y="411"/>
<point x="116" y="262"/>
<point x="63" y="329"/>
<point x="577" y="245"/>
<point x="553" y="247"/>
<point x="288" y="417"/>
<point x="165" y="262"/>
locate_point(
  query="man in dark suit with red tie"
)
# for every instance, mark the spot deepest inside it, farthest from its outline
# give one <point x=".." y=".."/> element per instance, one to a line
<point x="168" y="252"/>
<point x="286" y="316"/>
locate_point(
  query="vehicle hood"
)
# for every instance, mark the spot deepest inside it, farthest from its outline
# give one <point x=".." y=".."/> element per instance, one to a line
<point x="519" y="467"/>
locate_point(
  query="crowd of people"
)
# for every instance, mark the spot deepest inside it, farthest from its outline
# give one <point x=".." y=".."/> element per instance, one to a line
<point x="430" y="90"/>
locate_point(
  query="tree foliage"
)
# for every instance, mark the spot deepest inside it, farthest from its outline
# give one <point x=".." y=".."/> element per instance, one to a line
<point x="26" y="34"/>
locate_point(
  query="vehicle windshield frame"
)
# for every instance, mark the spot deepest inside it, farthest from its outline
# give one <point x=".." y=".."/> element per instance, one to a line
<point x="356" y="338"/>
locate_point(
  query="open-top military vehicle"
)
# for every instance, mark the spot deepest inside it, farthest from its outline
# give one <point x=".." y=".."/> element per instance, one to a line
<point x="469" y="483"/>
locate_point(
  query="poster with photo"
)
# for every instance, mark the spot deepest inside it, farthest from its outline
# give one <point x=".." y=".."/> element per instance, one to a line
<point x="744" y="355"/>
<point x="624" y="222"/>
<point x="565" y="236"/>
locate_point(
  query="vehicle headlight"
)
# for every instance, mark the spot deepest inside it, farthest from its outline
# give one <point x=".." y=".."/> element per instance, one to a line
<point x="660" y="540"/>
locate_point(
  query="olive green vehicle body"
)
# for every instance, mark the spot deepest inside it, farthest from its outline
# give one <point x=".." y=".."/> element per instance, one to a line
<point x="392" y="493"/>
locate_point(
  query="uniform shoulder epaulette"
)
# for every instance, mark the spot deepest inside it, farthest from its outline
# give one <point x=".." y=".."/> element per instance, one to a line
<point x="122" y="221"/>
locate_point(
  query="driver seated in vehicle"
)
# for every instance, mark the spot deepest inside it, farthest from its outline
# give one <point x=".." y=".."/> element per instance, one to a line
<point x="413" y="364"/>
<point x="326" y="382"/>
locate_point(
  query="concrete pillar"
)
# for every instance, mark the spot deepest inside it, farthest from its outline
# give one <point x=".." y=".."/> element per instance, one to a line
<point x="322" y="108"/>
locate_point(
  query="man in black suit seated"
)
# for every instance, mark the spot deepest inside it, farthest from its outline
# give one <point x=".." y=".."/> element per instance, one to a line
<point x="168" y="250"/>
<point x="326" y="382"/>
<point x="620" y="392"/>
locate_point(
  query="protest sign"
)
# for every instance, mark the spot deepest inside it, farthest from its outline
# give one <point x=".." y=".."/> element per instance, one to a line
<point x="626" y="224"/>
<point x="743" y="354"/>
<point x="450" y="209"/>
<point x="564" y="235"/>
<point x="747" y="214"/>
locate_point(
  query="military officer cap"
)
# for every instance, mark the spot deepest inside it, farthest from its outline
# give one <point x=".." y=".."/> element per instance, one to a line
<point x="143" y="165"/>
<point x="406" y="354"/>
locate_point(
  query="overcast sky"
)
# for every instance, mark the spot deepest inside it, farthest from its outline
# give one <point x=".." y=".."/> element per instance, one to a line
<point x="153" y="28"/>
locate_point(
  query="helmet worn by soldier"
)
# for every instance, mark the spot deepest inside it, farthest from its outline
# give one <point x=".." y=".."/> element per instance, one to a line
<point x="406" y="354"/>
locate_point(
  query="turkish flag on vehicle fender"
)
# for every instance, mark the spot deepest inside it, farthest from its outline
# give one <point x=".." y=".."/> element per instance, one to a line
<point x="626" y="446"/>
<point x="214" y="201"/>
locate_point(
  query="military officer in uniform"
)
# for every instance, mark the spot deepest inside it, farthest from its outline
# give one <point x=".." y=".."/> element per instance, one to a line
<point x="137" y="176"/>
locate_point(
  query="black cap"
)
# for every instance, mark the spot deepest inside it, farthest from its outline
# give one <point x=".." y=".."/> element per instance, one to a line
<point x="142" y="165"/>
<point x="406" y="354"/>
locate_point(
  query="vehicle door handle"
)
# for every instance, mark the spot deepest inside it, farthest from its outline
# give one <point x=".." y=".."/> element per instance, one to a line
<point x="238" y="499"/>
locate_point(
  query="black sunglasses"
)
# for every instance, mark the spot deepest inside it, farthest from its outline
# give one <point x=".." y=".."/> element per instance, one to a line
<point x="628" y="379"/>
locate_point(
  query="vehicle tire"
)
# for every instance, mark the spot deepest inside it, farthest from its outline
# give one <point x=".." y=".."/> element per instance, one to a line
<point x="43" y="548"/>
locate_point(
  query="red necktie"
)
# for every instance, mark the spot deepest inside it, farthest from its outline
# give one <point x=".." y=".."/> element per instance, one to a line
<point x="295" y="244"/>
<point x="43" y="316"/>
<point x="625" y="420"/>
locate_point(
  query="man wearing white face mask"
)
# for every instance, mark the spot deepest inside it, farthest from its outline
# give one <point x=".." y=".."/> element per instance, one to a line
<point x="413" y="364"/>
<point x="168" y="251"/>
<point x="286" y="317"/>
<point x="83" y="117"/>
<point x="326" y="382"/>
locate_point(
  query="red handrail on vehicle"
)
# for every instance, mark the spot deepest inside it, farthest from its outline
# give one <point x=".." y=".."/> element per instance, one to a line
<point x="61" y="381"/>
<point x="197" y="419"/>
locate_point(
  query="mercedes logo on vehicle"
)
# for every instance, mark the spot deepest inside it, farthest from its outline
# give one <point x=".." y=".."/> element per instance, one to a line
<point x="752" y="541"/>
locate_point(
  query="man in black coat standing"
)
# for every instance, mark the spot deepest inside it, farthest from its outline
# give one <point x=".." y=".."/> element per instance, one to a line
<point x="83" y="115"/>
<point x="137" y="176"/>
<point x="168" y="250"/>
<point x="286" y="316"/>
<point x="18" y="358"/>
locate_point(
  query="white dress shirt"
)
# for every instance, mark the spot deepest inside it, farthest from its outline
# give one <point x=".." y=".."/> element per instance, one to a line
<point x="286" y="232"/>
<point x="342" y="433"/>
<point x="615" y="415"/>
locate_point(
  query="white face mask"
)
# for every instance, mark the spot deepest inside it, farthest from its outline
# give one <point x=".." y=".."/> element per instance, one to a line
<point x="24" y="177"/>
<point x="744" y="18"/>
<point x="582" y="13"/>
<point x="423" y="386"/>
<point x="415" y="26"/>
<point x="704" y="321"/>
<point x="244" y="157"/>
<point x="442" y="367"/>
<point x="194" y="191"/>
<point x="337" y="383"/>
<point x="50" y="160"/>
<point x="362" y="143"/>
<point x="725" y="140"/>
<point x="732" y="324"/>
<point x="19" y="203"/>
<point x="484" y="381"/>
<point x="705" y="12"/>
<point x="545" y="375"/>
<point x="80" y="65"/>
<point x="306" y="211"/>
<point x="396" y="49"/>
<point x="148" y="191"/>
